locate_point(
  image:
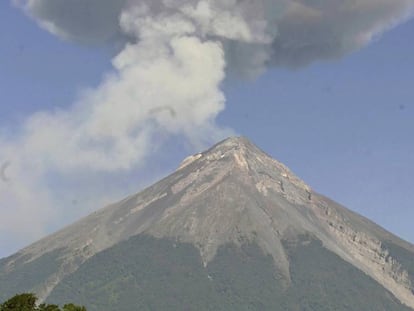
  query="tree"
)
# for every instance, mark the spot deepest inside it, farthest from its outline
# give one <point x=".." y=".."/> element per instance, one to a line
<point x="72" y="307"/>
<point x="44" y="307"/>
<point x="27" y="302"/>
<point x="22" y="302"/>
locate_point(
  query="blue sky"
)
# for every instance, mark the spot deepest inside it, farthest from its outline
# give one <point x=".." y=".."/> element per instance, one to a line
<point x="344" y="126"/>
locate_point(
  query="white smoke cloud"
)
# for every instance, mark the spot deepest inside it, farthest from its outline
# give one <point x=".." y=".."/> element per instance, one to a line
<point x="166" y="80"/>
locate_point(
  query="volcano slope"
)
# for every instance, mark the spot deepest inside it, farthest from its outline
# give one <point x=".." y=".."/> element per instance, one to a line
<point x="230" y="229"/>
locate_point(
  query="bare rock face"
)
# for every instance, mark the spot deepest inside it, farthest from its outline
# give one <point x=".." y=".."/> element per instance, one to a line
<point x="231" y="193"/>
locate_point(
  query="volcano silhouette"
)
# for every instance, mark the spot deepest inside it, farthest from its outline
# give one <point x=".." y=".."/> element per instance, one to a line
<point x="230" y="229"/>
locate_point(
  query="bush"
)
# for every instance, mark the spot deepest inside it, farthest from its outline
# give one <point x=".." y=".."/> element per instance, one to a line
<point x="27" y="302"/>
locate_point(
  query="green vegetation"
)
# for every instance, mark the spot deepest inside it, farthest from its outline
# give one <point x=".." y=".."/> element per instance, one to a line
<point x="27" y="302"/>
<point x="141" y="274"/>
<point x="27" y="274"/>
<point x="145" y="273"/>
<point x="322" y="281"/>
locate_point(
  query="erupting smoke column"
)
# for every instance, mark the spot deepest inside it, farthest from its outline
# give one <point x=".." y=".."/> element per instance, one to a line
<point x="176" y="56"/>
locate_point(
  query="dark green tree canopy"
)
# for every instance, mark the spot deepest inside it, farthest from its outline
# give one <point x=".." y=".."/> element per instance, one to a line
<point x="27" y="302"/>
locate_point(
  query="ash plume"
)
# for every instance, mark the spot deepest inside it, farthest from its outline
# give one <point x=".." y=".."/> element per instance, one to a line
<point x="176" y="54"/>
<point x="266" y="32"/>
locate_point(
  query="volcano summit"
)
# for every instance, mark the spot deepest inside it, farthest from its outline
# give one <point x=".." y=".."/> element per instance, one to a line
<point x="230" y="229"/>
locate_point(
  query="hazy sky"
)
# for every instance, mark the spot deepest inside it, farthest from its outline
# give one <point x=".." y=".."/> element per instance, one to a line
<point x="341" y="118"/>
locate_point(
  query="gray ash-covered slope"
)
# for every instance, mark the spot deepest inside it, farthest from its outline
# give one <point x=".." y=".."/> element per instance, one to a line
<point x="231" y="229"/>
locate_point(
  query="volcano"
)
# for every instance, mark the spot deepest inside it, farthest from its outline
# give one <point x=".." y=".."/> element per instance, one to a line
<point x="230" y="229"/>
